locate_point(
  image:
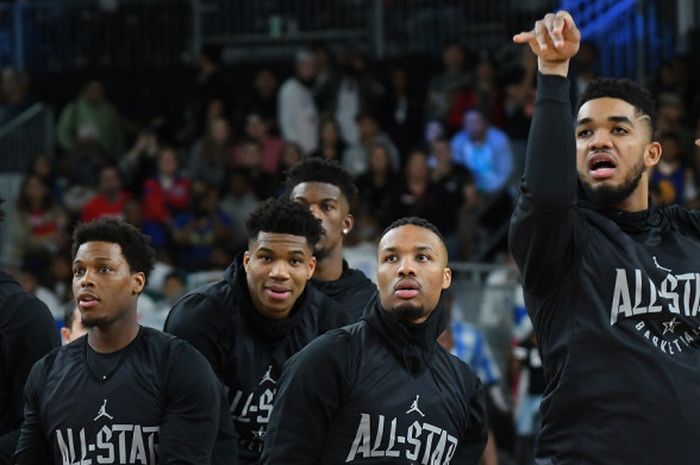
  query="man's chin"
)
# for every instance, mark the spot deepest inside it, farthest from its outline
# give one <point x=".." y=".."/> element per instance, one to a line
<point x="321" y="254"/>
<point x="409" y="313"/>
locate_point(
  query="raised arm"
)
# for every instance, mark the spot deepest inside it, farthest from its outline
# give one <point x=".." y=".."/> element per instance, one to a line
<point x="542" y="229"/>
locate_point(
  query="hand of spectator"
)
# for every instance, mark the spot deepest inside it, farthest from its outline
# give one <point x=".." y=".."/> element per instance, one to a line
<point x="555" y="39"/>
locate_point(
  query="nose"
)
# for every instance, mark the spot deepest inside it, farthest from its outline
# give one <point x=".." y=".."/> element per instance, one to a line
<point x="279" y="270"/>
<point x="86" y="279"/>
<point x="315" y="211"/>
<point x="600" y="140"/>
<point x="406" y="267"/>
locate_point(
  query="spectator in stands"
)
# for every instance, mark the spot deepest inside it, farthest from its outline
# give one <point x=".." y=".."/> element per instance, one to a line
<point x="256" y="128"/>
<point x="403" y="117"/>
<point x="110" y="198"/>
<point x="72" y="324"/>
<point x="141" y="161"/>
<point x="443" y="87"/>
<point x="14" y="94"/>
<point x="166" y="194"/>
<point x="211" y="154"/>
<point x="672" y="182"/>
<point x="297" y="114"/>
<point x="518" y="107"/>
<point x="374" y="187"/>
<point x="238" y="202"/>
<point x="60" y="276"/>
<point x="485" y="151"/>
<point x="263" y="183"/>
<point x="203" y="235"/>
<point x="584" y="65"/>
<point x="330" y="144"/>
<point x="484" y="94"/>
<point x="262" y="99"/>
<point x="356" y="156"/>
<point x="91" y="117"/>
<point x="326" y="77"/>
<point x="38" y="227"/>
<point x="357" y="92"/>
<point x="291" y="155"/>
<point x="43" y="167"/>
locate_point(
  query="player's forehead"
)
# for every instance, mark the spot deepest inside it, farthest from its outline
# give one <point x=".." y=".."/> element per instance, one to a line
<point x="606" y="109"/>
<point x="316" y="192"/>
<point x="279" y="243"/>
<point x="98" y="251"/>
<point x="410" y="238"/>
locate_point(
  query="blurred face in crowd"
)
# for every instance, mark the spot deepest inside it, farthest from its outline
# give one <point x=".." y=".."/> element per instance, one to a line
<point x="614" y="150"/>
<point x="277" y="268"/>
<point x="104" y="287"/>
<point x="306" y="69"/>
<point x="453" y="57"/>
<point x="329" y="132"/>
<point x="475" y="125"/>
<point x="74" y="330"/>
<point x="442" y="151"/>
<point x="167" y="162"/>
<point x="255" y="127"/>
<point x="266" y="83"/>
<point x="412" y="272"/>
<point x="110" y="181"/>
<point x="379" y="159"/>
<point x="220" y="130"/>
<point x="94" y="92"/>
<point x="329" y="206"/>
<point x="417" y="165"/>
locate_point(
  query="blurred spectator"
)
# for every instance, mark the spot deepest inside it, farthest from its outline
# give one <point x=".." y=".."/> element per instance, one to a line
<point x="330" y="144"/>
<point x="357" y="92"/>
<point x="374" y="186"/>
<point x="356" y="156"/>
<point x="14" y="94"/>
<point x="262" y="100"/>
<point x="251" y="159"/>
<point x="211" y="154"/>
<point x="110" y="198"/>
<point x="60" y="277"/>
<point x="203" y="235"/>
<point x="291" y="155"/>
<point x="485" y="151"/>
<point x="44" y="169"/>
<point x="256" y="128"/>
<point x="584" y="64"/>
<point x="672" y="182"/>
<point x="528" y="370"/>
<point x="72" y="324"/>
<point x="32" y="284"/>
<point x="238" y="202"/>
<point x="326" y="77"/>
<point x="483" y="95"/>
<point x="443" y="87"/>
<point x="140" y="162"/>
<point x="173" y="288"/>
<point x="38" y="227"/>
<point x="90" y="117"/>
<point x="297" y="114"/>
<point x="671" y="117"/>
<point x="518" y="107"/>
<point x="166" y="194"/>
<point x="403" y="119"/>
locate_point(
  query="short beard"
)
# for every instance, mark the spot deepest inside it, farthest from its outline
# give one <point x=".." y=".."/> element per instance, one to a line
<point x="614" y="195"/>
<point x="409" y="313"/>
<point x="321" y="254"/>
<point x="97" y="323"/>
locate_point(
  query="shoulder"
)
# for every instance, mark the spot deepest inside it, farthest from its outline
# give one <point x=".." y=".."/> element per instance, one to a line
<point x="463" y="376"/>
<point x="204" y="303"/>
<point x="334" y="347"/>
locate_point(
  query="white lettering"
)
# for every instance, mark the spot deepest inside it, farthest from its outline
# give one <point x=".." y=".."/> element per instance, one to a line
<point x="363" y="436"/>
<point x="412" y="438"/>
<point x="621" y="297"/>
<point x="104" y="437"/>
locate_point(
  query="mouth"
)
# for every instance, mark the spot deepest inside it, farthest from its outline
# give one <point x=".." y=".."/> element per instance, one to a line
<point x="406" y="289"/>
<point x="277" y="292"/>
<point x="87" y="300"/>
<point x="601" y="166"/>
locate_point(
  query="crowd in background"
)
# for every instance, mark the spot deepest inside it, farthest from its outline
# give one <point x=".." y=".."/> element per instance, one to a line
<point x="450" y="150"/>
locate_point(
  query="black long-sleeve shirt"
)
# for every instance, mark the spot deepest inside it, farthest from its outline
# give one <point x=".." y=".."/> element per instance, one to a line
<point x="377" y="392"/>
<point x="27" y="333"/>
<point x="156" y="401"/>
<point x="614" y="297"/>
<point x="246" y="350"/>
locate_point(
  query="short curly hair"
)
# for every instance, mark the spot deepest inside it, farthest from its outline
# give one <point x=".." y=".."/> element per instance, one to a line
<point x="319" y="170"/>
<point x="134" y="244"/>
<point x="285" y="217"/>
<point x="415" y="221"/>
<point x="623" y="89"/>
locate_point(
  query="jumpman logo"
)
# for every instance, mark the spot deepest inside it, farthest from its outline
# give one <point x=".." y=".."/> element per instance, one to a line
<point x="103" y="412"/>
<point x="268" y="376"/>
<point x="414" y="407"/>
<point x="660" y="267"/>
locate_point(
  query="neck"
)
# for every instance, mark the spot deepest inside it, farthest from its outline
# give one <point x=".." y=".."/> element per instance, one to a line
<point x="331" y="267"/>
<point x="113" y="337"/>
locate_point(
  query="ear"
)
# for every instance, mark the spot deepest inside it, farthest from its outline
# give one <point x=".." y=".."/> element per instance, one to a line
<point x="139" y="282"/>
<point x="246" y="260"/>
<point x="652" y="154"/>
<point x="312" y="267"/>
<point x="446" y="278"/>
<point x="348" y="223"/>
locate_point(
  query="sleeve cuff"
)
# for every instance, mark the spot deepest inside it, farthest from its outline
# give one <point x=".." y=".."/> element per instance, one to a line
<point x="552" y="87"/>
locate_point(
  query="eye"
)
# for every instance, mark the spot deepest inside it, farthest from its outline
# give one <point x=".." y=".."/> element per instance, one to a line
<point x="619" y="130"/>
<point x="265" y="258"/>
<point x="326" y="207"/>
<point x="104" y="269"/>
<point x="77" y="272"/>
<point x="390" y="258"/>
<point x="422" y="257"/>
<point x="582" y="133"/>
<point x="295" y="261"/>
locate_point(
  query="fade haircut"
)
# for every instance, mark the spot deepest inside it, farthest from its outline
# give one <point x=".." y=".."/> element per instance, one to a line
<point x="284" y="217"/>
<point x="319" y="170"/>
<point x="135" y="245"/>
<point x="622" y="89"/>
<point x="416" y="221"/>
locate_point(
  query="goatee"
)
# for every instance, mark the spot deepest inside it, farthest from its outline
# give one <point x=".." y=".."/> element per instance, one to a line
<point x="613" y="195"/>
